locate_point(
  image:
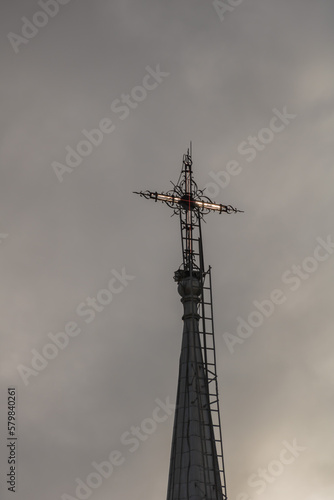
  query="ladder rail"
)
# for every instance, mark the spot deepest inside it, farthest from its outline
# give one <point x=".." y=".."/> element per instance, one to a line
<point x="210" y="364"/>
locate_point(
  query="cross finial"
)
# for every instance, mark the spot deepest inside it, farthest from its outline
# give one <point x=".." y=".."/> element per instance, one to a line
<point x="191" y="204"/>
<point x="186" y="195"/>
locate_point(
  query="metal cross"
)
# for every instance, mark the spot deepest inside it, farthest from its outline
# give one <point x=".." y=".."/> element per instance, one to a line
<point x="190" y="202"/>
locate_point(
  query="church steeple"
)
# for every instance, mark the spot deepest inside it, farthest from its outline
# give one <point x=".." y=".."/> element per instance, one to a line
<point x="196" y="463"/>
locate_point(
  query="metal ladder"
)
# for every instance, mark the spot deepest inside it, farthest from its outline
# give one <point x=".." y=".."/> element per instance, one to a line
<point x="209" y="358"/>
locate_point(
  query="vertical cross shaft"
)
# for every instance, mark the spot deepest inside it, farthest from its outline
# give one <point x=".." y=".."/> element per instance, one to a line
<point x="188" y="178"/>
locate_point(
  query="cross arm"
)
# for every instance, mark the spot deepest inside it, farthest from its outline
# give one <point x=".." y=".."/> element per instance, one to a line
<point x="167" y="198"/>
<point x="204" y="205"/>
<point x="187" y="202"/>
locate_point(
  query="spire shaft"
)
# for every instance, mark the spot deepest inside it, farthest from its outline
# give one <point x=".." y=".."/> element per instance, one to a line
<point x="194" y="469"/>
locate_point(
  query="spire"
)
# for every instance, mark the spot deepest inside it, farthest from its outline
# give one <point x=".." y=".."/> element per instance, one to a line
<point x="196" y="462"/>
<point x="194" y="470"/>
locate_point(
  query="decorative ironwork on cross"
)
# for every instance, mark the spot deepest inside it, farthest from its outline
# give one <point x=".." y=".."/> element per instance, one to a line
<point x="191" y="204"/>
<point x="186" y="195"/>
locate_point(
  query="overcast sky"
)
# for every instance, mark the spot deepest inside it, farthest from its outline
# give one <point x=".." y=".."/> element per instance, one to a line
<point x="252" y="86"/>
